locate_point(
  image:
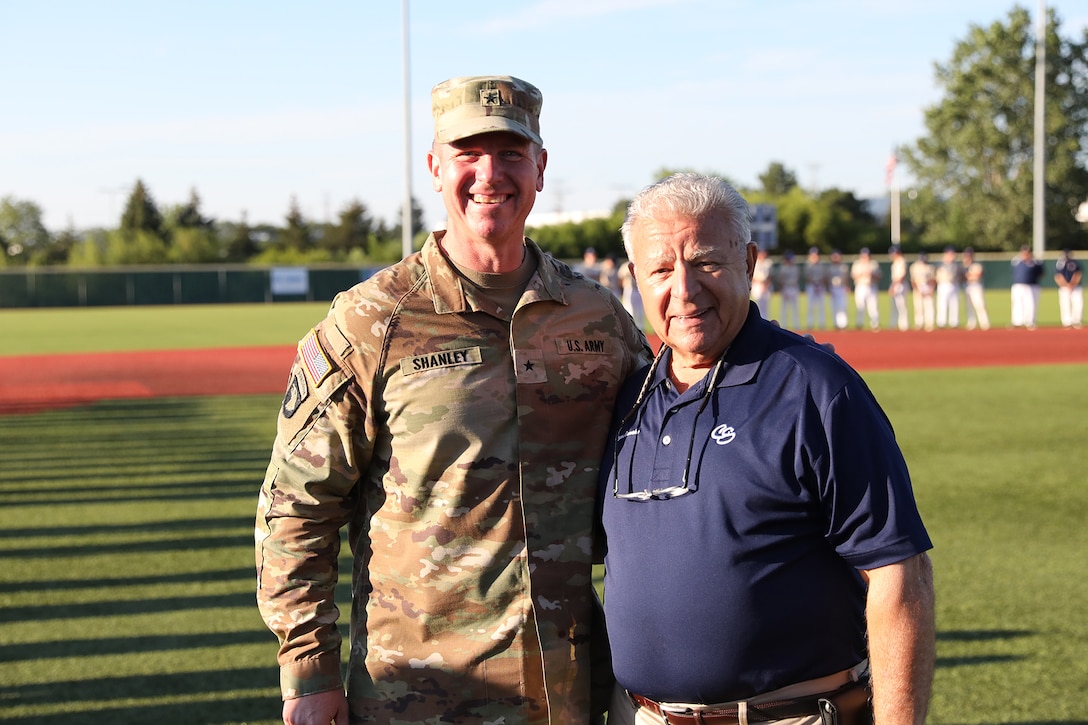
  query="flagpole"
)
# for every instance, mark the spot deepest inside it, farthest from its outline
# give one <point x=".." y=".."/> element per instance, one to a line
<point x="893" y="190"/>
<point x="895" y="211"/>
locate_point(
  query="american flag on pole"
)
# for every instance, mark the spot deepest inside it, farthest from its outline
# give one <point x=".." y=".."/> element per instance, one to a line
<point x="889" y="169"/>
<point x="314" y="358"/>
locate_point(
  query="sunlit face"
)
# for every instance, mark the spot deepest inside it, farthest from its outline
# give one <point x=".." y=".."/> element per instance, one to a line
<point x="695" y="284"/>
<point x="488" y="184"/>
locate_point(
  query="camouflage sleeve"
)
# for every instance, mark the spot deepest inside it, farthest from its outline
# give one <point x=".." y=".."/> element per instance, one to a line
<point x="308" y="495"/>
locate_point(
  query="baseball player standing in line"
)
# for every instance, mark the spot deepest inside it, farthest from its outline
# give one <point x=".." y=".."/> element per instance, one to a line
<point x="865" y="273"/>
<point x="838" y="279"/>
<point x="816" y="290"/>
<point x="1067" y="275"/>
<point x="976" y="292"/>
<point x="897" y="288"/>
<point x="948" y="275"/>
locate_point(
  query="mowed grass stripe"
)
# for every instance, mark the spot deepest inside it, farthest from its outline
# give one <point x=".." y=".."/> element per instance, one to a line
<point x="128" y="596"/>
<point x="38" y="331"/>
<point x="128" y="563"/>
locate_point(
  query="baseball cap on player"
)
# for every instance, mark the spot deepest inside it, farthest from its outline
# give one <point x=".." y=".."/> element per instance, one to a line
<point x="471" y="105"/>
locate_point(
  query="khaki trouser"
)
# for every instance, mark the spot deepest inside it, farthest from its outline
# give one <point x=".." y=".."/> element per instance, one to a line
<point x="624" y="711"/>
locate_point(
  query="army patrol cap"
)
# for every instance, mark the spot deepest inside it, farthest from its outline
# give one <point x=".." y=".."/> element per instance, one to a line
<point x="471" y="105"/>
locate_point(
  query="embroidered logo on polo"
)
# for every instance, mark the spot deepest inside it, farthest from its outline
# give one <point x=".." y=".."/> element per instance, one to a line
<point x="582" y="345"/>
<point x="440" y="359"/>
<point x="723" y="434"/>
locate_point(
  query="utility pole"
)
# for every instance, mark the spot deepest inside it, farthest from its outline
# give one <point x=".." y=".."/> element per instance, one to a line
<point x="1039" y="226"/>
<point x="406" y="210"/>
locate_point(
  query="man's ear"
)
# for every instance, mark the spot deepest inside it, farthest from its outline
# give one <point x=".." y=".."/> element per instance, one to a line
<point x="541" y="162"/>
<point x="752" y="252"/>
<point x="434" y="166"/>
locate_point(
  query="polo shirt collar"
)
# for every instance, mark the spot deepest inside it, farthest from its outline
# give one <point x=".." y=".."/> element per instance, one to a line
<point x="743" y="358"/>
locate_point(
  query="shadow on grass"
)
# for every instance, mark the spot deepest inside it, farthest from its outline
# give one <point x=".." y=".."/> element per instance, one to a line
<point x="202" y="491"/>
<point x="982" y="635"/>
<point x="100" y="608"/>
<point x="150" y="527"/>
<point x="132" y="645"/>
<point x="205" y="712"/>
<point x="193" y="577"/>
<point x="102" y="690"/>
<point x="189" y="543"/>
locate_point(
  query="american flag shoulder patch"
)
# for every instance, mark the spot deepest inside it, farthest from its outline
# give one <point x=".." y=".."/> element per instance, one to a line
<point x="314" y="358"/>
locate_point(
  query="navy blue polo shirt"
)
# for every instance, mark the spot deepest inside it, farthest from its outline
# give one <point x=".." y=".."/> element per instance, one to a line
<point x="1067" y="267"/>
<point x="750" y="583"/>
<point x="1026" y="271"/>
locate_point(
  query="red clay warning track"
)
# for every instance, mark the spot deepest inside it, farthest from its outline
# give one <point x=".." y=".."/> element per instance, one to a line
<point x="43" y="382"/>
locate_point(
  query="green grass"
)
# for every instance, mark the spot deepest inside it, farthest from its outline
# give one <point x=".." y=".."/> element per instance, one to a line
<point x="127" y="550"/>
<point x="110" y="329"/>
<point x="126" y="593"/>
<point x="126" y="547"/>
<point x="998" y="459"/>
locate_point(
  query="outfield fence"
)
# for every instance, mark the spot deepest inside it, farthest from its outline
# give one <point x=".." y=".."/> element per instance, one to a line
<point x="172" y="285"/>
<point x="219" y="284"/>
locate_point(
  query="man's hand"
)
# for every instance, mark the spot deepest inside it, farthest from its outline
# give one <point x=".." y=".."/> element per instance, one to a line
<point x="321" y="708"/>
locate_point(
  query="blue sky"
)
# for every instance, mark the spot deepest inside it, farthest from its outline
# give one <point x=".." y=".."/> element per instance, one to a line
<point x="253" y="103"/>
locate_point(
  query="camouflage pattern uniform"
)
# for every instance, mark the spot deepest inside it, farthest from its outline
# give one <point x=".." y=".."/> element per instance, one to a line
<point x="461" y="449"/>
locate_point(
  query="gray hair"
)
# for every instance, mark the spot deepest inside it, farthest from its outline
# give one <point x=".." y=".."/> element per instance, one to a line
<point x="693" y="196"/>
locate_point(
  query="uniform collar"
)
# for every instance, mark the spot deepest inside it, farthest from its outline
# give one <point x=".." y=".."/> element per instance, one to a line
<point x="452" y="295"/>
<point x="743" y="358"/>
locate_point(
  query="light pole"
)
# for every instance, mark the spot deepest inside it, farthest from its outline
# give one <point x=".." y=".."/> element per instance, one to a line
<point x="1039" y="212"/>
<point x="406" y="210"/>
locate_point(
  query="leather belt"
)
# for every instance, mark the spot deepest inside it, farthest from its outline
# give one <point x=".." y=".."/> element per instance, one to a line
<point x="850" y="703"/>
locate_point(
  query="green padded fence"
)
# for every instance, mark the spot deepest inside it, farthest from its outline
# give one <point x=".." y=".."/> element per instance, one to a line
<point x="62" y="287"/>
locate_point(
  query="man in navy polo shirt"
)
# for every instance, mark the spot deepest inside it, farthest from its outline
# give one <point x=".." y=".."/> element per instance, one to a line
<point x="764" y="550"/>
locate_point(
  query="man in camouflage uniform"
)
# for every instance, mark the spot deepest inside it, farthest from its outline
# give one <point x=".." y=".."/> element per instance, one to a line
<point x="451" y="411"/>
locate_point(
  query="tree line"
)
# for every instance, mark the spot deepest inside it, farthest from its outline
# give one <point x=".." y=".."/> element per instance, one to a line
<point x="973" y="180"/>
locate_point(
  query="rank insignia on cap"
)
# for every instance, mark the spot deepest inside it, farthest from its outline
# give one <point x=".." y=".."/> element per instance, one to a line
<point x="490" y="97"/>
<point x="314" y="358"/>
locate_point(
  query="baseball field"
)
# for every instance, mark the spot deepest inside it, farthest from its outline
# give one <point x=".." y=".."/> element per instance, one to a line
<point x="133" y="442"/>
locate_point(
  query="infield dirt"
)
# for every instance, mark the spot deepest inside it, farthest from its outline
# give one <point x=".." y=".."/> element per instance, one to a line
<point x="43" y="382"/>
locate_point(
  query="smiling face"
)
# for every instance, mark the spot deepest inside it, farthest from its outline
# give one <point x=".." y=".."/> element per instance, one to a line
<point x="695" y="283"/>
<point x="488" y="184"/>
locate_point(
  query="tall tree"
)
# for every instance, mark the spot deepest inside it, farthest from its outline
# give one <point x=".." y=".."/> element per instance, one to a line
<point x="777" y="180"/>
<point x="189" y="216"/>
<point x="141" y="212"/>
<point x="415" y="214"/>
<point x="240" y="244"/>
<point x="22" y="232"/>
<point x="977" y="160"/>
<point x="351" y="233"/>
<point x="298" y="235"/>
